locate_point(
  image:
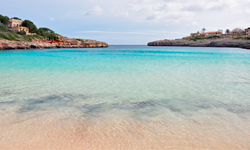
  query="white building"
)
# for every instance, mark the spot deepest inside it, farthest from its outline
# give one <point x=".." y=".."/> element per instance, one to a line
<point x="213" y="33"/>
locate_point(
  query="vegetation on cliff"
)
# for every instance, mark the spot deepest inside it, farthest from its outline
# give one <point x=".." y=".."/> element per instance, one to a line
<point x="214" y="37"/>
<point x="4" y="19"/>
<point x="41" y="33"/>
<point x="7" y="34"/>
<point x="46" y="32"/>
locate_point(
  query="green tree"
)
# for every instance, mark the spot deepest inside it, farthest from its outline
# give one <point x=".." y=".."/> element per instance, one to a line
<point x="44" y="31"/>
<point x="52" y="36"/>
<point x="16" y="18"/>
<point x="32" y="27"/>
<point x="4" y="19"/>
<point x="227" y="31"/>
<point x="203" y="30"/>
<point x="47" y="33"/>
<point x="47" y="30"/>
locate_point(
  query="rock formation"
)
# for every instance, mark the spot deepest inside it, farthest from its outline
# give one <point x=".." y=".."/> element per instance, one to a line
<point x="203" y="43"/>
<point x="62" y="42"/>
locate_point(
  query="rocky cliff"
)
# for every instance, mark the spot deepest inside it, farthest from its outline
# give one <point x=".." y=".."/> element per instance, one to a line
<point x="203" y="43"/>
<point x="62" y="42"/>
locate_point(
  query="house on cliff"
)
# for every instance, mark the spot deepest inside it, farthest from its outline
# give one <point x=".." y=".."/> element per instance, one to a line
<point x="213" y="33"/>
<point x="237" y="31"/>
<point x="194" y="34"/>
<point x="14" y="23"/>
<point x="247" y="31"/>
<point x="20" y="28"/>
<point x="16" y="26"/>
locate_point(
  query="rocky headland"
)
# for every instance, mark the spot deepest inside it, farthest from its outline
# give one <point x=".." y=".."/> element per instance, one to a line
<point x="18" y="34"/>
<point x="203" y="43"/>
<point x="62" y="42"/>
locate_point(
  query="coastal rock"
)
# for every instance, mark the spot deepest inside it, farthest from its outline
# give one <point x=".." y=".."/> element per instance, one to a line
<point x="199" y="44"/>
<point x="62" y="42"/>
<point x="203" y="43"/>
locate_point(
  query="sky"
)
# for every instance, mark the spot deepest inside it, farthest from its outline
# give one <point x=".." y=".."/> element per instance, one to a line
<point x="130" y="22"/>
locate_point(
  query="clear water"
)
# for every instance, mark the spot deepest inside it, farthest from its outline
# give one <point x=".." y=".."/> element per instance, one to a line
<point x="125" y="97"/>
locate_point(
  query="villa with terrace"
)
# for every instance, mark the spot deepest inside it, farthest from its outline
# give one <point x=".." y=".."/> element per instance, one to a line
<point x="16" y="26"/>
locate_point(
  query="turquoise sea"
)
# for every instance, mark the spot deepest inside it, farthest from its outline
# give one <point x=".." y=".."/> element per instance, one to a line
<point x="125" y="97"/>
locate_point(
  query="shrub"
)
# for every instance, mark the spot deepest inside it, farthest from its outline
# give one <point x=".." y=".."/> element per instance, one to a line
<point x="80" y="40"/>
<point x="8" y="36"/>
<point x="27" y="38"/>
<point x="21" y="32"/>
<point x="216" y="36"/>
<point x="37" y="36"/>
<point x="3" y="35"/>
<point x="197" y="37"/>
<point x="3" y="28"/>
<point x="12" y="36"/>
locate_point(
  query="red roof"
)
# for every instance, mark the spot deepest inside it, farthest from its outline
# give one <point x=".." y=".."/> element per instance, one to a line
<point x="214" y="32"/>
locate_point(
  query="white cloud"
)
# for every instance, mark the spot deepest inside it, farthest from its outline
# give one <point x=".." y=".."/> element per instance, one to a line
<point x="124" y="14"/>
<point x="179" y="11"/>
<point x="52" y="19"/>
<point x="163" y="11"/>
<point x="96" y="11"/>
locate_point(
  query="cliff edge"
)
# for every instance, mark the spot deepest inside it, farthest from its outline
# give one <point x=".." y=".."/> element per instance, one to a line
<point x="61" y="42"/>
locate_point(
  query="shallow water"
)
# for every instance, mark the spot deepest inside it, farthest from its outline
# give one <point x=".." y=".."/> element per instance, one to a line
<point x="125" y="97"/>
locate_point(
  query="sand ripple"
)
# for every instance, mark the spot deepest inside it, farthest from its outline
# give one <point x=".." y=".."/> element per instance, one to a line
<point x="60" y="130"/>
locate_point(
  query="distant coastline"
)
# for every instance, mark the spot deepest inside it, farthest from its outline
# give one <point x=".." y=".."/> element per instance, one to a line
<point x="203" y="43"/>
<point x="236" y="38"/>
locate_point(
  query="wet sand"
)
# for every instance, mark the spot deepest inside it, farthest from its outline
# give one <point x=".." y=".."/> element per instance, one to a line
<point x="60" y="130"/>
